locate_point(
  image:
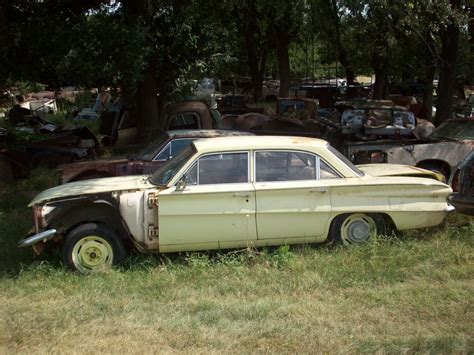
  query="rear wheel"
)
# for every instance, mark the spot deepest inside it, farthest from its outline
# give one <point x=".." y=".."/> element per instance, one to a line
<point x="91" y="247"/>
<point x="356" y="228"/>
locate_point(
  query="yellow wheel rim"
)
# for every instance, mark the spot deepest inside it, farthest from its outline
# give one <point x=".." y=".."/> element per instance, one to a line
<point x="92" y="253"/>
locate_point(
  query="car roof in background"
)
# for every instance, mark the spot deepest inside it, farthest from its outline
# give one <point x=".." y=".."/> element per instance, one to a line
<point x="206" y="133"/>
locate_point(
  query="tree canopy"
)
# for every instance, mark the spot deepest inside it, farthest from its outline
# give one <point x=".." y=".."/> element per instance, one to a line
<point x="148" y="47"/>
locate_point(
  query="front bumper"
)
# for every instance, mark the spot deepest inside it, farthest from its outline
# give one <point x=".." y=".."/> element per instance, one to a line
<point x="33" y="239"/>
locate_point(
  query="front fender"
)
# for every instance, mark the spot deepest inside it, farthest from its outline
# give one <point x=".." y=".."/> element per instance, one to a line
<point x="67" y="214"/>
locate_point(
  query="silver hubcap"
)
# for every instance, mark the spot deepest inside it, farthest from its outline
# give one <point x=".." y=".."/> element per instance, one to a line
<point x="357" y="228"/>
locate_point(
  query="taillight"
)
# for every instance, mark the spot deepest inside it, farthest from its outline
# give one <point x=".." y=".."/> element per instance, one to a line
<point x="455" y="181"/>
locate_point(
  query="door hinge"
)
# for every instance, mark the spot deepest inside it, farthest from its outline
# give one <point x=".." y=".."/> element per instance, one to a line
<point x="152" y="199"/>
<point x="152" y="231"/>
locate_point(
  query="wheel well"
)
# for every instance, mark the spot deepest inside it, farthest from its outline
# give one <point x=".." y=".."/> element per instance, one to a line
<point x="100" y="213"/>
<point x="435" y="165"/>
<point x="90" y="174"/>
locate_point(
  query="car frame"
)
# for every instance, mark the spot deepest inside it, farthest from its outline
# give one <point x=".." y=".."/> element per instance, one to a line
<point x="249" y="190"/>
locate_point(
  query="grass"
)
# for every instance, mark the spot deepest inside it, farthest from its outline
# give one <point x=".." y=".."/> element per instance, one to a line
<point x="406" y="294"/>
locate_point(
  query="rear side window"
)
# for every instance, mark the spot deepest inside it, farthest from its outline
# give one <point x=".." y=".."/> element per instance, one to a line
<point x="291" y="166"/>
<point x="285" y="166"/>
<point x="326" y="172"/>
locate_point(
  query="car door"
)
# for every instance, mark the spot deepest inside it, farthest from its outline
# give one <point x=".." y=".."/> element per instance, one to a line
<point x="216" y="209"/>
<point x="292" y="199"/>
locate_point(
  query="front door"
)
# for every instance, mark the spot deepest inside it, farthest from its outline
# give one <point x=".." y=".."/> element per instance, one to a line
<point x="215" y="210"/>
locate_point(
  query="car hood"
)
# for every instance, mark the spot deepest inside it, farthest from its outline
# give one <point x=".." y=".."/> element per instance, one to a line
<point x="397" y="170"/>
<point x="94" y="186"/>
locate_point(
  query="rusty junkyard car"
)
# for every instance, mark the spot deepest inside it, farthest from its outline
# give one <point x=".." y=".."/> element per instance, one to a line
<point x="231" y="192"/>
<point x="150" y="158"/>
<point x="449" y="144"/>
<point x="462" y="182"/>
<point x="119" y="126"/>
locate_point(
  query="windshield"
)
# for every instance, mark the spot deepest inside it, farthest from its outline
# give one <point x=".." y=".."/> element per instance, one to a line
<point x="168" y="170"/>
<point x="150" y="151"/>
<point x="457" y="130"/>
<point x="346" y="161"/>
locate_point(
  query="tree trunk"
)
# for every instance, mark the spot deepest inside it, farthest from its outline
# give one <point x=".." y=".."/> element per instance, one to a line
<point x="147" y="105"/>
<point x="447" y="79"/>
<point x="147" y="109"/>
<point x="3" y="17"/>
<point x="341" y="52"/>
<point x="470" y="75"/>
<point x="380" y="85"/>
<point x="283" y="64"/>
<point x="256" y="61"/>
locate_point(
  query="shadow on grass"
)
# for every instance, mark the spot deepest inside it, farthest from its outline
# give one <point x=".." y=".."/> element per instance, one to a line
<point x="16" y="219"/>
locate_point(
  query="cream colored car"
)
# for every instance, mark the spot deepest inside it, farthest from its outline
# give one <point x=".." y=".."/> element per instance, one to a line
<point x="234" y="192"/>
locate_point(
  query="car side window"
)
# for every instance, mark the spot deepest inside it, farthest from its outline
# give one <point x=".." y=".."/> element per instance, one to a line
<point x="219" y="169"/>
<point x="326" y="172"/>
<point x="173" y="148"/>
<point x="164" y="154"/>
<point x="285" y="166"/>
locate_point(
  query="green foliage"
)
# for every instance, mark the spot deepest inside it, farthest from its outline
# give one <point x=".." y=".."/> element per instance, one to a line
<point x="107" y="51"/>
<point x="118" y="43"/>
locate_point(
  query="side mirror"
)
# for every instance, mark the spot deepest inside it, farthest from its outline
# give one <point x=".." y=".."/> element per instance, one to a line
<point x="181" y="184"/>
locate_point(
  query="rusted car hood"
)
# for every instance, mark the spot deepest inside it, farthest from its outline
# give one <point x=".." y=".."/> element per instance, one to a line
<point x="397" y="170"/>
<point x="94" y="186"/>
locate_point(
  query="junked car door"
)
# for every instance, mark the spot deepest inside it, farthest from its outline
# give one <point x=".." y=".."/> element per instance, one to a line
<point x="292" y="199"/>
<point x="216" y="209"/>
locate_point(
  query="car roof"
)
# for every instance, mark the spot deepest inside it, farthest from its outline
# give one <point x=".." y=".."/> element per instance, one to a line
<point x="259" y="142"/>
<point x="206" y="133"/>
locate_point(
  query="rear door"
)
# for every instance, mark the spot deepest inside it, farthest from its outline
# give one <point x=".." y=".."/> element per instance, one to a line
<point x="292" y="200"/>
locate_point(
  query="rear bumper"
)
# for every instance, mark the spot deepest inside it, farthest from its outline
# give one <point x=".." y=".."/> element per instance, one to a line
<point x="33" y="239"/>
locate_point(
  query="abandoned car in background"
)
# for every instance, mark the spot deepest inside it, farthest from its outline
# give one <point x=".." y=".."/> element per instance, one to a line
<point x="156" y="153"/>
<point x="444" y="148"/>
<point x="462" y="182"/>
<point x="231" y="192"/>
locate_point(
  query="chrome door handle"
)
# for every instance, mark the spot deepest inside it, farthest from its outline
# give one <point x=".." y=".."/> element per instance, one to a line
<point x="321" y="190"/>
<point x="242" y="194"/>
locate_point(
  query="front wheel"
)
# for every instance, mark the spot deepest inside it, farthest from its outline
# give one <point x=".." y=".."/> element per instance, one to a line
<point x="91" y="247"/>
<point x="356" y="228"/>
